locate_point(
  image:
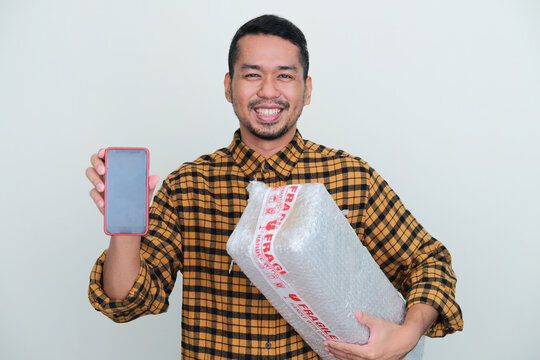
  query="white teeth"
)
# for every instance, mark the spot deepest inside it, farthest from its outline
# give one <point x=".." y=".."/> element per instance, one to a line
<point x="267" y="112"/>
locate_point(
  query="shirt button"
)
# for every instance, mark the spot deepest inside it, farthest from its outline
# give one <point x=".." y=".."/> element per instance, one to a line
<point x="268" y="345"/>
<point x="266" y="166"/>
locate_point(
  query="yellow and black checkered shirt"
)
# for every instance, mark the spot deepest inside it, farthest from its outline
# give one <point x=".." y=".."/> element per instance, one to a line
<point x="223" y="315"/>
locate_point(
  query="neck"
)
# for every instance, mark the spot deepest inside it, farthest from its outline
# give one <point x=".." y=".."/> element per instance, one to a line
<point x="267" y="148"/>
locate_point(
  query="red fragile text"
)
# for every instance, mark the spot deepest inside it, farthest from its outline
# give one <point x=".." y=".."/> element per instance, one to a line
<point x="310" y="315"/>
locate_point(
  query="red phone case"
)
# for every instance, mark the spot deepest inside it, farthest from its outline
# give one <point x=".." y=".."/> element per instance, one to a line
<point x="105" y="192"/>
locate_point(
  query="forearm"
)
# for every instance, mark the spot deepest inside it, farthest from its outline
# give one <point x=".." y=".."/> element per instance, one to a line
<point x="146" y="295"/>
<point x="419" y="318"/>
<point x="121" y="266"/>
<point x="433" y="282"/>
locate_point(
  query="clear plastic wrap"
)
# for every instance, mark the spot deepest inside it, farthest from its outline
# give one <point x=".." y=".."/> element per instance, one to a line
<point x="298" y="248"/>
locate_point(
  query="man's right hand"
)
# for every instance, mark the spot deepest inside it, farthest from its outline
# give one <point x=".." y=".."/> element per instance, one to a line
<point x="123" y="260"/>
<point x="96" y="174"/>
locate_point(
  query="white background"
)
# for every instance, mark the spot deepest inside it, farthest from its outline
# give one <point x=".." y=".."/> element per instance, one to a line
<point x="441" y="97"/>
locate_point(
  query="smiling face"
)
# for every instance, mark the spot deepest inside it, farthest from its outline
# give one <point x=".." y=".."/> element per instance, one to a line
<point x="268" y="90"/>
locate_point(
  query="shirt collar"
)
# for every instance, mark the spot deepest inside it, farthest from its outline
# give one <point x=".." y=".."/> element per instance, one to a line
<point x="282" y="163"/>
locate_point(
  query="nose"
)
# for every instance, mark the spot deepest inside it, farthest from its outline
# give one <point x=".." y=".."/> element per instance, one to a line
<point x="268" y="89"/>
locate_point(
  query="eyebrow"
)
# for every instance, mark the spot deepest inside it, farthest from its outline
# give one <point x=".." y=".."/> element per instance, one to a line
<point x="250" y="67"/>
<point x="257" y="67"/>
<point x="290" y="67"/>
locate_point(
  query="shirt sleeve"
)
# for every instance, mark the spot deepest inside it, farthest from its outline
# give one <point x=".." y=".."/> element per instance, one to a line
<point x="161" y="259"/>
<point x="418" y="265"/>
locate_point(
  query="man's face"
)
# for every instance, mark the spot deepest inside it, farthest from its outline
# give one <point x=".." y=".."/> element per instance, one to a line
<point x="268" y="90"/>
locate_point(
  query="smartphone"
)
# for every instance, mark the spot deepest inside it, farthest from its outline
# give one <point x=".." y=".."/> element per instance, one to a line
<point x="126" y="191"/>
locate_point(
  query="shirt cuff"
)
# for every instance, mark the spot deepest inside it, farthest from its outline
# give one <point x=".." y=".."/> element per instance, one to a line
<point x="118" y="310"/>
<point x="450" y="319"/>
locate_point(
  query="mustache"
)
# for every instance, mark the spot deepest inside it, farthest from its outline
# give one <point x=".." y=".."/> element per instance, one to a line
<point x="284" y="104"/>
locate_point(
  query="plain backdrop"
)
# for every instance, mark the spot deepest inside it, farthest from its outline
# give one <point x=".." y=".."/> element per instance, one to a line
<point x="441" y="97"/>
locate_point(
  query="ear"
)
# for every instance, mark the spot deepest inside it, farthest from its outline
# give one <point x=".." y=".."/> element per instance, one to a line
<point x="227" y="84"/>
<point x="307" y="91"/>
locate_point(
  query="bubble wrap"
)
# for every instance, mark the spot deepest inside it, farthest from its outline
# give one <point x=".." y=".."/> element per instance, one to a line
<point x="299" y="250"/>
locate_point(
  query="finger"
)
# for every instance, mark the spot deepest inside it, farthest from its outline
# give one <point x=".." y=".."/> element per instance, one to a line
<point x="365" y="319"/>
<point x="341" y="350"/>
<point x="101" y="153"/>
<point x="326" y="348"/>
<point x="153" y="180"/>
<point x="98" y="200"/>
<point x="98" y="164"/>
<point x="333" y="351"/>
<point x="95" y="179"/>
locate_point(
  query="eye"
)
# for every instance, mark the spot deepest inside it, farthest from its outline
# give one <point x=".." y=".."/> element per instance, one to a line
<point x="285" y="76"/>
<point x="251" y="75"/>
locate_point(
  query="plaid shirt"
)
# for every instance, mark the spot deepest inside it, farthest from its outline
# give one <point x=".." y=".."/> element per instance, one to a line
<point x="223" y="315"/>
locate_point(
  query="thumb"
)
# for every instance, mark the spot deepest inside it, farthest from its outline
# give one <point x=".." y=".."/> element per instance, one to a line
<point x="365" y="319"/>
<point x="152" y="182"/>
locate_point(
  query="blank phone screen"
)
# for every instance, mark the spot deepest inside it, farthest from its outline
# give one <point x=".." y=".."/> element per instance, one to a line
<point x="126" y="196"/>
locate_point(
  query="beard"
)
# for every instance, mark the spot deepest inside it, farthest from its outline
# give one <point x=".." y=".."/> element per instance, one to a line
<point x="268" y="131"/>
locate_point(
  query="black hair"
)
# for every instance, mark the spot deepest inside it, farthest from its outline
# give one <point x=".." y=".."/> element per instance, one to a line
<point x="271" y="25"/>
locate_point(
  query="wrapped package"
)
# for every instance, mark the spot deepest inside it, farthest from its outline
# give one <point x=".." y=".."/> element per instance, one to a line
<point x="299" y="250"/>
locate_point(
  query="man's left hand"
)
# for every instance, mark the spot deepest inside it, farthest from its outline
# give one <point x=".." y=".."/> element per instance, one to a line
<point x="387" y="341"/>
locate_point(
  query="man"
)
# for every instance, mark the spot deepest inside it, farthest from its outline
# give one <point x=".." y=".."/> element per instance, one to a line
<point x="199" y="204"/>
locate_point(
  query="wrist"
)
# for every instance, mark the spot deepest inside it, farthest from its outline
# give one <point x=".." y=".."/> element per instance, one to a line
<point x="419" y="318"/>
